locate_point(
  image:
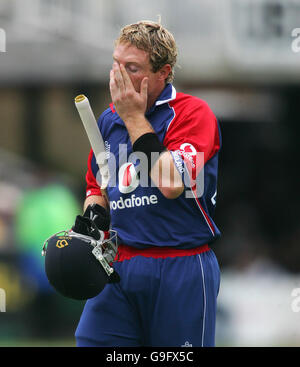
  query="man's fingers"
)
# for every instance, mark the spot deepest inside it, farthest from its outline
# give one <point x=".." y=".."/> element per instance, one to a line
<point x="118" y="77"/>
<point x="123" y="93"/>
<point x="127" y="81"/>
<point x="112" y="85"/>
<point x="144" y="88"/>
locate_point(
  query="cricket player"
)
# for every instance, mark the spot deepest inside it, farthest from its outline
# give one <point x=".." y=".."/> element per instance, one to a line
<point x="162" y="148"/>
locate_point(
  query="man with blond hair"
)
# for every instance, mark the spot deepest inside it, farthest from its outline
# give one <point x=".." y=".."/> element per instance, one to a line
<point x="169" y="275"/>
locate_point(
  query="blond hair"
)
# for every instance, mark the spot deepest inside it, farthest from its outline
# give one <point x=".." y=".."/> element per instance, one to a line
<point x="153" y="38"/>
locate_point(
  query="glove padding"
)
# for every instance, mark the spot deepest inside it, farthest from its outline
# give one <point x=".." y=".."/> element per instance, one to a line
<point x="99" y="216"/>
<point x="94" y="222"/>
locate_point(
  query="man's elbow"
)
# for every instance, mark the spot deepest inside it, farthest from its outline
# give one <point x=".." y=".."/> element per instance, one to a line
<point x="172" y="192"/>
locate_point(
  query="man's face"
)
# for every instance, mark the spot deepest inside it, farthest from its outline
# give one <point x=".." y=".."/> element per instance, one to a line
<point x="137" y="65"/>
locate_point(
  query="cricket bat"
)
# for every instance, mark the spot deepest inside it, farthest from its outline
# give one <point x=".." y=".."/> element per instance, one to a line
<point x="95" y="138"/>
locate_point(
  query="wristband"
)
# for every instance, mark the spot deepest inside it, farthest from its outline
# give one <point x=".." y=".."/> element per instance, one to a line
<point x="149" y="143"/>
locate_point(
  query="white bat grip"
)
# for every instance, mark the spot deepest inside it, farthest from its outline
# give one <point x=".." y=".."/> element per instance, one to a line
<point x="95" y="138"/>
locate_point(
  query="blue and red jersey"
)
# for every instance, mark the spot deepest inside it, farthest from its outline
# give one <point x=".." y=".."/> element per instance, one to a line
<point x="140" y="214"/>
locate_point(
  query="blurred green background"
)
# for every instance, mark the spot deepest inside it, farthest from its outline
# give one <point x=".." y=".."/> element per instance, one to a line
<point x="243" y="58"/>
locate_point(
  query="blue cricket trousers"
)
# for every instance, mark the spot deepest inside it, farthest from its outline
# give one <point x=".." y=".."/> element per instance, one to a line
<point x="159" y="302"/>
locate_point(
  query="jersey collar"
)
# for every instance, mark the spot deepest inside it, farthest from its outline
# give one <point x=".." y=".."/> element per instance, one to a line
<point x="167" y="95"/>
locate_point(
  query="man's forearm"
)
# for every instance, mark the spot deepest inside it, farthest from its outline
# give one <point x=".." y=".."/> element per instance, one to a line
<point x="137" y="126"/>
<point x="95" y="199"/>
<point x="166" y="177"/>
<point x="163" y="173"/>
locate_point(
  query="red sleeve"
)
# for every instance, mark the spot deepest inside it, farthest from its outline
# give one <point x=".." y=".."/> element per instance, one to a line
<point x="193" y="133"/>
<point x="92" y="188"/>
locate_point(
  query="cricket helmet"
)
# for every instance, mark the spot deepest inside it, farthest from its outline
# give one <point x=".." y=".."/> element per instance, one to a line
<point x="79" y="266"/>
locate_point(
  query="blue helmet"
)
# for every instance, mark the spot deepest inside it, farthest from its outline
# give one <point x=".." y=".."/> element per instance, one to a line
<point x="79" y="266"/>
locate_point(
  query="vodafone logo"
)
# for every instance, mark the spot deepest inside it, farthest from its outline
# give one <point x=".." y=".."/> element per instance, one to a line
<point x="128" y="181"/>
<point x="188" y="149"/>
<point x="128" y="178"/>
<point x="189" y="153"/>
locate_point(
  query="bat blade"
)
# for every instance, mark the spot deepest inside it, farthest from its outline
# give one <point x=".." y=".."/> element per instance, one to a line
<point x="95" y="138"/>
